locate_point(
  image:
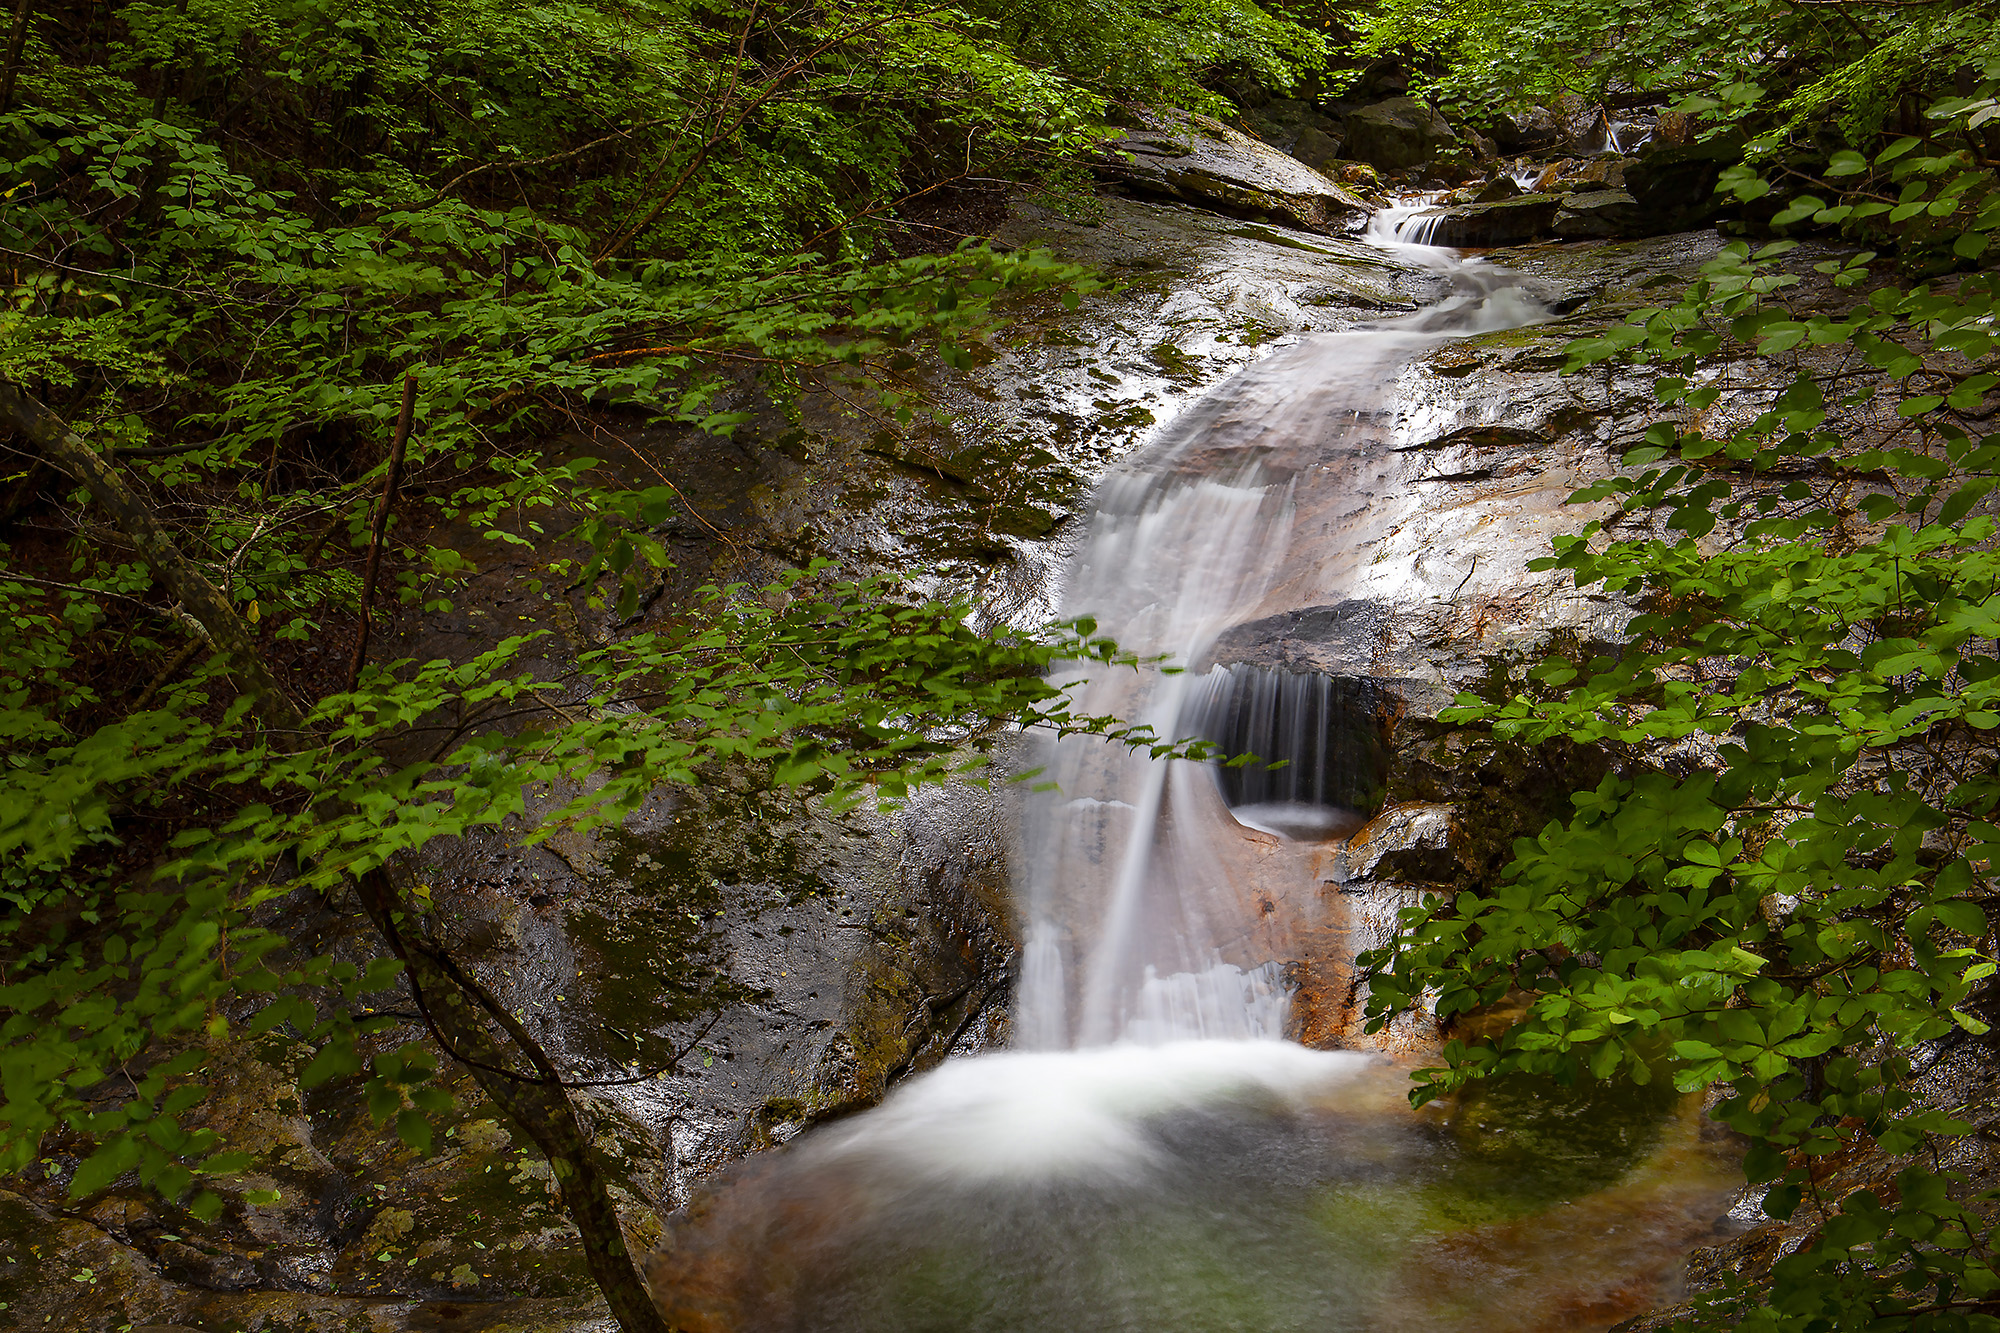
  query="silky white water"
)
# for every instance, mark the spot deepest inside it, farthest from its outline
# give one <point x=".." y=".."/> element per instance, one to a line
<point x="1128" y="876"/>
<point x="1037" y="1117"/>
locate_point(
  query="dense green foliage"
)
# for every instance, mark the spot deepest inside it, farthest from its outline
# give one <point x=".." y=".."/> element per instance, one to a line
<point x="1853" y="62"/>
<point x="1784" y="886"/>
<point x="235" y="232"/>
<point x="840" y="689"/>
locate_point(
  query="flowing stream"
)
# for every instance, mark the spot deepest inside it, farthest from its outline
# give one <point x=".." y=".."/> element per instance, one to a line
<point x="1154" y="1153"/>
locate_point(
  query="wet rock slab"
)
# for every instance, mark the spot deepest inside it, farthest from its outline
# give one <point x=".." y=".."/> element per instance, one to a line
<point x="1198" y="160"/>
<point x="1599" y="214"/>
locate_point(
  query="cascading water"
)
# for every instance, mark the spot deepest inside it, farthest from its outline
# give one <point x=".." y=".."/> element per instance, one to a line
<point x="1313" y="758"/>
<point x="1155" y="1154"/>
<point x="1130" y="879"/>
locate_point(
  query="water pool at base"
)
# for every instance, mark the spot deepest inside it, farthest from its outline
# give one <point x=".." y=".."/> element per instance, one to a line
<point x="1203" y="1187"/>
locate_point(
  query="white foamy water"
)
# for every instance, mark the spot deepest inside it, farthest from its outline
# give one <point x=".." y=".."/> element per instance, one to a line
<point x="1296" y="819"/>
<point x="1026" y="1116"/>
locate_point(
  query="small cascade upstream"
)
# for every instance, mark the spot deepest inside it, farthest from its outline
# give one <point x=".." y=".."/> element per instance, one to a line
<point x="1155" y="1153"/>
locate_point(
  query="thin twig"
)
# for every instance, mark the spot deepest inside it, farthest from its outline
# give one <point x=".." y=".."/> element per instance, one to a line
<point x="164" y="450"/>
<point x="388" y="501"/>
<point x="167" y="673"/>
<point x="625" y="133"/>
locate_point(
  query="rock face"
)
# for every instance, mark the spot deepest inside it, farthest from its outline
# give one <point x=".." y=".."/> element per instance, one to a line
<point x="1401" y="132"/>
<point x="1527" y="217"/>
<point x="1596" y="214"/>
<point x="1201" y="161"/>
<point x="1516" y="132"/>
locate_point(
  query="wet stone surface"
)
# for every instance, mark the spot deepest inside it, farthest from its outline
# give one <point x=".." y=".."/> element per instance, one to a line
<point x="1199" y="160"/>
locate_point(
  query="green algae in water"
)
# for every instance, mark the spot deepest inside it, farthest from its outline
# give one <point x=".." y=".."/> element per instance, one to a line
<point x="1522" y="1143"/>
<point x="1508" y="1148"/>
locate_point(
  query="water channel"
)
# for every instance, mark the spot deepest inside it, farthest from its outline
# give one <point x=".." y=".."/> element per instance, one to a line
<point x="1154" y="1153"/>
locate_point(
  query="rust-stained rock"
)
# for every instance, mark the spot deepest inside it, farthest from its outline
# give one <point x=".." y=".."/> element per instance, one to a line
<point x="1398" y="840"/>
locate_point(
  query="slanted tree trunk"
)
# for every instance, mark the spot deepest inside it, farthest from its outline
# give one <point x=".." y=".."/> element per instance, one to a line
<point x="17" y="37"/>
<point x="461" y="1013"/>
<point x="181" y="577"/>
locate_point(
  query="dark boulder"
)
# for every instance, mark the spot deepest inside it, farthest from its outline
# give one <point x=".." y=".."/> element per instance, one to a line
<point x="1401" y="132"/>
<point x="1597" y="214"/>
<point x="1674" y="184"/>
<point x="1384" y="78"/>
<point x="1521" y="131"/>
<point x="1596" y="173"/>
<point x="1479" y="226"/>
<point x="1318" y="148"/>
<point x="1280" y="122"/>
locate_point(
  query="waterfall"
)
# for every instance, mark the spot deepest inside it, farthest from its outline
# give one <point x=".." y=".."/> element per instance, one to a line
<point x="1316" y="760"/>
<point x="1131" y="873"/>
<point x="1154" y="1153"/>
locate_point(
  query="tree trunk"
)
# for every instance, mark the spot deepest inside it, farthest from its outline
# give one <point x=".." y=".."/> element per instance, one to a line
<point x="462" y="1014"/>
<point x="460" y="1011"/>
<point x="176" y="573"/>
<point x="17" y="37"/>
<point x="381" y="527"/>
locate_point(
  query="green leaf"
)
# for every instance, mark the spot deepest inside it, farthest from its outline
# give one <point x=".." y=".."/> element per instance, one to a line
<point x="112" y="1159"/>
<point x="414" y="1129"/>
<point x="227" y="1163"/>
<point x="1964" y="917"/>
